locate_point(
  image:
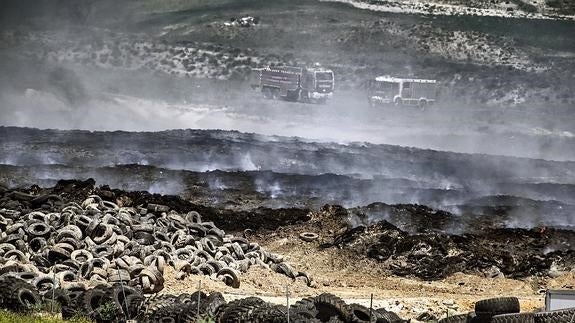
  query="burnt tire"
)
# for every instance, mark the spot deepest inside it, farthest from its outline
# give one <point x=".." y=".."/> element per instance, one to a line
<point x="485" y="309"/>
<point x="514" y="318"/>
<point x="459" y="318"/>
<point x="329" y="305"/>
<point x="388" y="317"/>
<point x="212" y="304"/>
<point x="305" y="307"/>
<point x="362" y="314"/>
<point x="270" y="314"/>
<point x="564" y="315"/>
<point x="21" y="297"/>
<point x="170" y="313"/>
<point x="239" y="311"/>
<point x="93" y="299"/>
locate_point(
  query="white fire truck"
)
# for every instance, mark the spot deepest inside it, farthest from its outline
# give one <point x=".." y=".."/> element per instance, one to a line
<point x="402" y="91"/>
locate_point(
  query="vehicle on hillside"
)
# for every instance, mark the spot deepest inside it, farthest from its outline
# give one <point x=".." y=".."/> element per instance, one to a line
<point x="402" y="91"/>
<point x="309" y="84"/>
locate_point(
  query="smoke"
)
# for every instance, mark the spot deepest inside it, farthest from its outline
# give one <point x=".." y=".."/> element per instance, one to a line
<point x="89" y="71"/>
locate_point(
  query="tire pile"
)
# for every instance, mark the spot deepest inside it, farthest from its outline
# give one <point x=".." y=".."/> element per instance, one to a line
<point x="98" y="242"/>
<point x="507" y="310"/>
<point x="120" y="303"/>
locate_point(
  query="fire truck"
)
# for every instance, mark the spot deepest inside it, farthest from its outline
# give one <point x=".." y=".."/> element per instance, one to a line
<point x="402" y="91"/>
<point x="303" y="84"/>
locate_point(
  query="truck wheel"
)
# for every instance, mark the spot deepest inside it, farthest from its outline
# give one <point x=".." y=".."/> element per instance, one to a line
<point x="304" y="96"/>
<point x="398" y="102"/>
<point x="422" y="104"/>
<point x="267" y="93"/>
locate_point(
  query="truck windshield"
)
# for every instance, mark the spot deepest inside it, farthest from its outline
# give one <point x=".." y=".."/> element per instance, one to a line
<point x="324" y="76"/>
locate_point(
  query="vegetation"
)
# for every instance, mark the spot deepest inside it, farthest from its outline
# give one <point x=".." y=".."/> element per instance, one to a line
<point x="36" y="317"/>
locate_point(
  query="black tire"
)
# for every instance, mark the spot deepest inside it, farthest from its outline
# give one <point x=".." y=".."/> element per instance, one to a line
<point x="169" y="313"/>
<point x="558" y="316"/>
<point x="230" y="277"/>
<point x="388" y="317"/>
<point x="239" y="311"/>
<point x="362" y="314"/>
<point x="514" y="318"/>
<point x="485" y="309"/>
<point x="60" y="297"/>
<point x="214" y="301"/>
<point x="267" y="92"/>
<point x="329" y="305"/>
<point x="120" y="296"/>
<point x="422" y="104"/>
<point x="21" y="297"/>
<point x="270" y="314"/>
<point x="93" y="299"/>
<point x="460" y="318"/>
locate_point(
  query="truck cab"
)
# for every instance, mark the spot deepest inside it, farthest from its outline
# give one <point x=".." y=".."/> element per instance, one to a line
<point x="317" y="85"/>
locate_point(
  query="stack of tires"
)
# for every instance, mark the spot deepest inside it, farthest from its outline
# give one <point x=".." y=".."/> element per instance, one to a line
<point x="322" y="308"/>
<point x="507" y="310"/>
<point x="100" y="242"/>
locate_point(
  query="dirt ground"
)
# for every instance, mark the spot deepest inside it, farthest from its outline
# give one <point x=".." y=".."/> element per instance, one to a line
<point x="356" y="278"/>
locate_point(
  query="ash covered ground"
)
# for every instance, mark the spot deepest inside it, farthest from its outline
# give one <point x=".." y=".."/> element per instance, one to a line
<point x="470" y="198"/>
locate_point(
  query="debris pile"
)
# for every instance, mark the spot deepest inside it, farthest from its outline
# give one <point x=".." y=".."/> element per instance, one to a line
<point x="431" y="254"/>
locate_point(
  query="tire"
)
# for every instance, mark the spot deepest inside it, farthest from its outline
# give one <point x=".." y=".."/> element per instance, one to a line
<point x="485" y="309"/>
<point x="286" y="269"/>
<point x="329" y="305"/>
<point x="514" y="318"/>
<point x="38" y="229"/>
<point x="21" y="297"/>
<point x="388" y="317"/>
<point x="240" y="311"/>
<point x="558" y="316"/>
<point x="44" y="283"/>
<point x="230" y="277"/>
<point x="460" y="318"/>
<point x="422" y="104"/>
<point x="398" y="102"/>
<point x="93" y="298"/>
<point x="167" y="313"/>
<point x="212" y="304"/>
<point x="362" y="314"/>
<point x="308" y="236"/>
<point x="267" y="92"/>
<point x="270" y="314"/>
